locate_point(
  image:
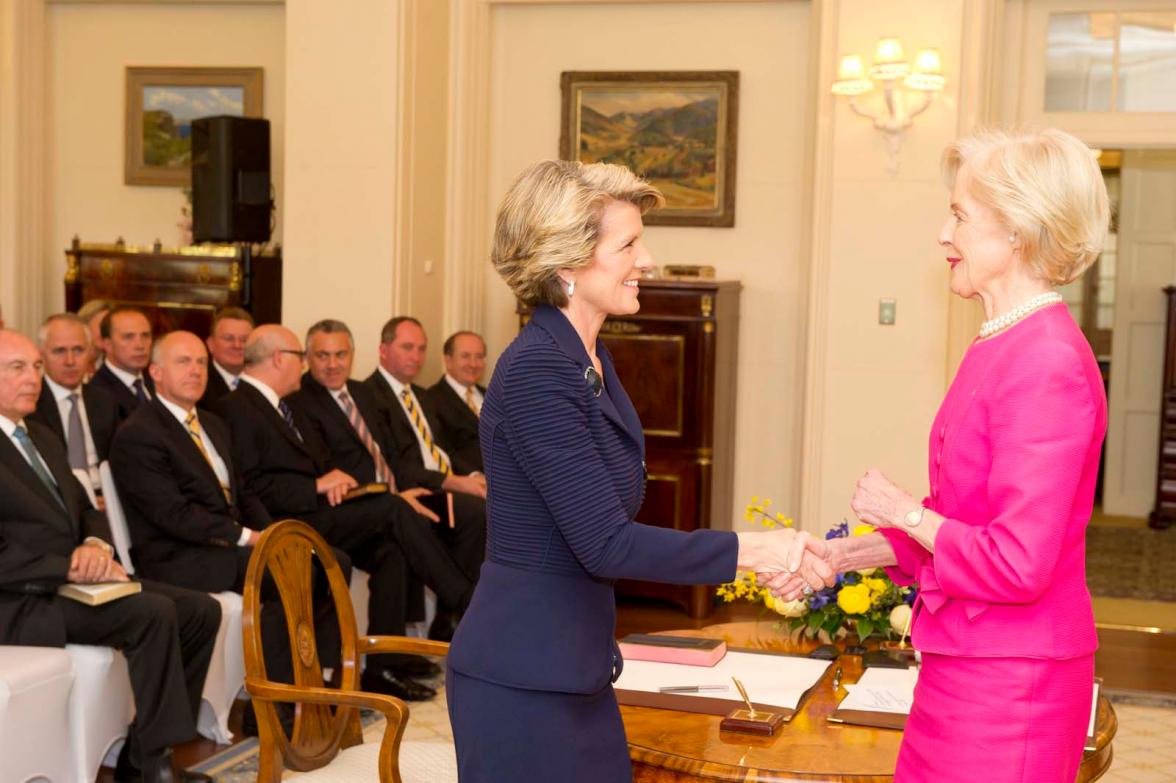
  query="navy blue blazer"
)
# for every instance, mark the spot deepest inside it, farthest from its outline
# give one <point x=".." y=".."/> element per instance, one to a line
<point x="566" y="476"/>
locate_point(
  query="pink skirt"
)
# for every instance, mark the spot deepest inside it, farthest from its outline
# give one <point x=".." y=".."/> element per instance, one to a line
<point x="997" y="720"/>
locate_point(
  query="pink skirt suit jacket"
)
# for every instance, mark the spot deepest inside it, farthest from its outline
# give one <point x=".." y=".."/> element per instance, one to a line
<point x="1003" y="618"/>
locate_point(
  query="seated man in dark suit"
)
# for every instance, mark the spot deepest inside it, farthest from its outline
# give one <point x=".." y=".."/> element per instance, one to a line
<point x="422" y="462"/>
<point x="126" y="339"/>
<point x="226" y="347"/>
<point x="350" y="422"/>
<point x="193" y="522"/>
<point x="92" y="313"/>
<point x="83" y="416"/>
<point x="456" y="398"/>
<point x="280" y="456"/>
<point x="50" y="535"/>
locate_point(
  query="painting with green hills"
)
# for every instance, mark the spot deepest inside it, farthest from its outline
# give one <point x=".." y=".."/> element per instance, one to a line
<point x="667" y="136"/>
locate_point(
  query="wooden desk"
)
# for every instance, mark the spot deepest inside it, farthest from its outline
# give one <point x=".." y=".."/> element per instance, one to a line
<point x="676" y="747"/>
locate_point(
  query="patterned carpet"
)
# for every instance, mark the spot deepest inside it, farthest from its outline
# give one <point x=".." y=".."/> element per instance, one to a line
<point x="1131" y="563"/>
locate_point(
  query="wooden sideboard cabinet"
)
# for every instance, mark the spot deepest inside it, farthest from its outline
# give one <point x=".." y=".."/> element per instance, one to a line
<point x="178" y="289"/>
<point x="677" y="361"/>
<point x="1163" y="515"/>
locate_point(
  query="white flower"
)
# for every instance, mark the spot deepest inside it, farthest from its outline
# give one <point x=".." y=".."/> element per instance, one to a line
<point x="790" y="608"/>
<point x="899" y="617"/>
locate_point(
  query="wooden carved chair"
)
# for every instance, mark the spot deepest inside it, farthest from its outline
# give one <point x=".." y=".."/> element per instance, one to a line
<point x="327" y="734"/>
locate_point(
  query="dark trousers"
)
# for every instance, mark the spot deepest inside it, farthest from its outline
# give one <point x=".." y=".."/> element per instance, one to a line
<point x="386" y="538"/>
<point x="167" y="634"/>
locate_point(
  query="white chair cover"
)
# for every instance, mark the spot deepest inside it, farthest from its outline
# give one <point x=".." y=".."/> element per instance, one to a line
<point x="34" y="714"/>
<point x="226" y="671"/>
<point x="101" y="706"/>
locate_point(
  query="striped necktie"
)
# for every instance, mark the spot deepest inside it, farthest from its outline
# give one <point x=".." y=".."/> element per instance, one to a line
<point x="383" y="473"/>
<point x="422" y="428"/>
<point x="288" y="415"/>
<point x="469" y="400"/>
<point x="194" y="430"/>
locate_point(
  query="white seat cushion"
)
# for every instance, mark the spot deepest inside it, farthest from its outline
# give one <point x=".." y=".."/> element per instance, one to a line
<point x="34" y="713"/>
<point x="420" y="762"/>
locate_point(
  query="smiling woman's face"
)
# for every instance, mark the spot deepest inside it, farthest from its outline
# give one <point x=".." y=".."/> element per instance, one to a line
<point x="977" y="244"/>
<point x="610" y="283"/>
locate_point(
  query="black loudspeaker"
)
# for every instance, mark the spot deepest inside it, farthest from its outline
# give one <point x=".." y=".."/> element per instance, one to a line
<point x="231" y="179"/>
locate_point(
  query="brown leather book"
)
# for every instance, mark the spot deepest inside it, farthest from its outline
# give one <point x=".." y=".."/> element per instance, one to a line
<point x="375" y="488"/>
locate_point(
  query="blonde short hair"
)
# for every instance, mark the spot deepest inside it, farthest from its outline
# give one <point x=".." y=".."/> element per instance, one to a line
<point x="550" y="220"/>
<point x="1046" y="187"/>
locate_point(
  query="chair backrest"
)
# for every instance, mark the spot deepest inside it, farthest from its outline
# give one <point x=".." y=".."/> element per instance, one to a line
<point x="286" y="553"/>
<point x="117" y="518"/>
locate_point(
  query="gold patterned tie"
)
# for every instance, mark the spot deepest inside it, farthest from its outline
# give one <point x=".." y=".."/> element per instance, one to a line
<point x="423" y="430"/>
<point x="473" y="406"/>
<point x="383" y="472"/>
<point x="194" y="431"/>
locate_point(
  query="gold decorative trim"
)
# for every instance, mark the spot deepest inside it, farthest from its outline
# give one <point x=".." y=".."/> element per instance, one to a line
<point x="708" y="305"/>
<point x="212" y="251"/>
<point x="708" y="327"/>
<point x="621" y="327"/>
<point x="203" y="274"/>
<point x="235" y="277"/>
<point x="73" y="268"/>
<point x="106" y="269"/>
<point x="680" y="341"/>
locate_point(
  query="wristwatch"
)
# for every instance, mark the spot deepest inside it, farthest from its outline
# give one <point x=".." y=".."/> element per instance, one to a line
<point x="913" y="517"/>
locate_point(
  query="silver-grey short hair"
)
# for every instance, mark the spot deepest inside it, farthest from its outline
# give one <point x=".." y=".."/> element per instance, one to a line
<point x="72" y="318"/>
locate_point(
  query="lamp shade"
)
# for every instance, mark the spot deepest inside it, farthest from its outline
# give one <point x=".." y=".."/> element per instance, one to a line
<point x="888" y="60"/>
<point x="928" y="73"/>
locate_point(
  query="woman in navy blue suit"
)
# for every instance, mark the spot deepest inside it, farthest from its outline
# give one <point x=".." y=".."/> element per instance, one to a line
<point x="531" y="666"/>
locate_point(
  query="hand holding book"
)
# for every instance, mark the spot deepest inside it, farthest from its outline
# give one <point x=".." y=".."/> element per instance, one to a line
<point x="91" y="563"/>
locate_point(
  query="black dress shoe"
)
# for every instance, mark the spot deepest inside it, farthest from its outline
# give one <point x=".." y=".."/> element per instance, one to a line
<point x="411" y="665"/>
<point x="443" y="627"/>
<point x="392" y="684"/>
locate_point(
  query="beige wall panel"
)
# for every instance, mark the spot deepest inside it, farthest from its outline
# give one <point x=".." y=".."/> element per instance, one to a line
<point x="768" y="44"/>
<point x="342" y="180"/>
<point x="90" y="46"/>
<point x="883" y="384"/>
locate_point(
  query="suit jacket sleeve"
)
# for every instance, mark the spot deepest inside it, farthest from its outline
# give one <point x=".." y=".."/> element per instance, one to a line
<point x="547" y="420"/>
<point x="27" y="571"/>
<point x="155" y="495"/>
<point x="297" y="491"/>
<point x="1041" y="421"/>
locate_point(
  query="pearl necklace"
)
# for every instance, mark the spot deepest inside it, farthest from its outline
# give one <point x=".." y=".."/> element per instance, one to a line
<point x="1002" y="322"/>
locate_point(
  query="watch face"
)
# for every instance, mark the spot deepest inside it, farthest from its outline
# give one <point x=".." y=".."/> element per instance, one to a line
<point x="913" y="518"/>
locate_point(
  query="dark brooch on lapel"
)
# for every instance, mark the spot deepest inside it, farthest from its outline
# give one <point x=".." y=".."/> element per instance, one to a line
<point x="592" y="378"/>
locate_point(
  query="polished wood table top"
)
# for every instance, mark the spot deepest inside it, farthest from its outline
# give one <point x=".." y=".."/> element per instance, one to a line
<point x="669" y="746"/>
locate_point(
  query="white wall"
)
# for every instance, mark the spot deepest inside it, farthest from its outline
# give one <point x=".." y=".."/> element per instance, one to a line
<point x="90" y="46"/>
<point x="768" y="43"/>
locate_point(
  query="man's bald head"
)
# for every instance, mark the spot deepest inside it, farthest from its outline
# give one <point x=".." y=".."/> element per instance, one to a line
<point x="20" y="375"/>
<point x="273" y="355"/>
<point x="179" y="367"/>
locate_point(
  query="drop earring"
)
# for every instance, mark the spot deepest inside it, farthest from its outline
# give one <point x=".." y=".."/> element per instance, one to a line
<point x="571" y="288"/>
<point x="1012" y="238"/>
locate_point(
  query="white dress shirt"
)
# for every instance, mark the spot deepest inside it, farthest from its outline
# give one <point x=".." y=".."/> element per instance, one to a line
<point x="229" y="378"/>
<point x="270" y="395"/>
<point x="461" y="391"/>
<point x="129" y="379"/>
<point x="218" y="464"/>
<point x="398" y="388"/>
<point x="61" y="395"/>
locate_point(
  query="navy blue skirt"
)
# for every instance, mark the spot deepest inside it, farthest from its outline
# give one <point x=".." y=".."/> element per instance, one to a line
<point x="510" y="735"/>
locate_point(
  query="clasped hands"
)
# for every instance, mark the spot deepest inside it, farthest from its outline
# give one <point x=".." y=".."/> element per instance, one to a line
<point x="91" y="563"/>
<point x="788" y="562"/>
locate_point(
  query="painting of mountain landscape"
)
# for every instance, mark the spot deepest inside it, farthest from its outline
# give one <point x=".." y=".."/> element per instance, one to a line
<point x="673" y="133"/>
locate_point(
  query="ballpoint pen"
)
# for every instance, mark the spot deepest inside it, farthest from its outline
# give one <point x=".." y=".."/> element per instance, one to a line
<point x="693" y="688"/>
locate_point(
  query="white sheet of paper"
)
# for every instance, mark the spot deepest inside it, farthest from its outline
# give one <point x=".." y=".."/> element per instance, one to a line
<point x="882" y="690"/>
<point x="770" y="680"/>
<point x="1093" y="711"/>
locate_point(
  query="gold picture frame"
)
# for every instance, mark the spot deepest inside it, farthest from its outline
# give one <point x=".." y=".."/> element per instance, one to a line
<point x="678" y="129"/>
<point x="161" y="102"/>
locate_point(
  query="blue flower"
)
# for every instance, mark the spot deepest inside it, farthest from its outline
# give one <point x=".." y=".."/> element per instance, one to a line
<point x="913" y="592"/>
<point x="838" y="531"/>
<point x="820" y="599"/>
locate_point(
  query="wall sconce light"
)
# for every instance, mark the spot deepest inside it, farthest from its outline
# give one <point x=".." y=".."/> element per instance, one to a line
<point x="900" y="83"/>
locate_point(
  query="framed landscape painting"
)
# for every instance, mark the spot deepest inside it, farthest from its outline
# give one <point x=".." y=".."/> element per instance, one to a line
<point x="675" y="128"/>
<point x="161" y="104"/>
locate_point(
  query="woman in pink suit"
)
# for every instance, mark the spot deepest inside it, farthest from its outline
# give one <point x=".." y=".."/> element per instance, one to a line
<point x="1003" y="618"/>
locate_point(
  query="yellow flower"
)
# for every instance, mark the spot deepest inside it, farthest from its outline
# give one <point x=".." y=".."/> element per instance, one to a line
<point x="863" y="530"/>
<point x="875" y="585"/>
<point x="769" y="601"/>
<point x="790" y="608"/>
<point x="854" y="599"/>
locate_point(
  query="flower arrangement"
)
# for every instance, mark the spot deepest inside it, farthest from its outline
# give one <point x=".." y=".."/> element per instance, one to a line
<point x="865" y="602"/>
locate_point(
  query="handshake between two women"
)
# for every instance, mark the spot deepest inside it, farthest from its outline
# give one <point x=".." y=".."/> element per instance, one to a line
<point x="790" y="563"/>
